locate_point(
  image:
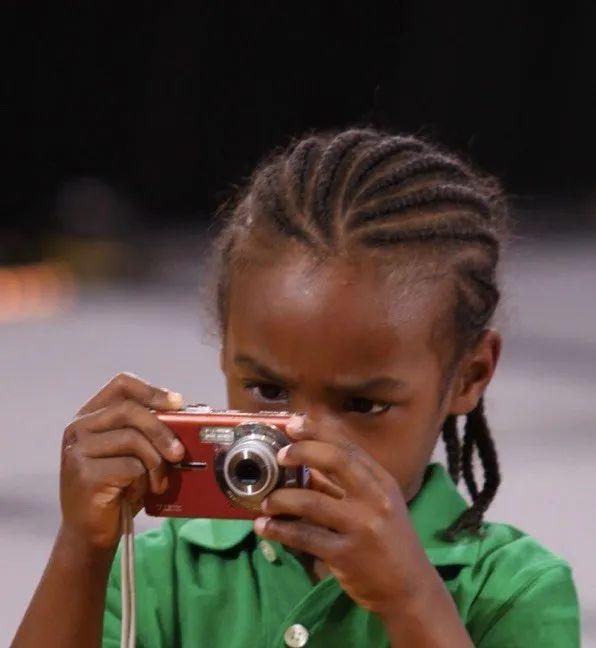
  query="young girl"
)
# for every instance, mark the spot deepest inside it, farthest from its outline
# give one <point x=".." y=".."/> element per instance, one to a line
<point x="356" y="287"/>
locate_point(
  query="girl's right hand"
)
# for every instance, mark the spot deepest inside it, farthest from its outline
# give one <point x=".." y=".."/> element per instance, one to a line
<point x="114" y="448"/>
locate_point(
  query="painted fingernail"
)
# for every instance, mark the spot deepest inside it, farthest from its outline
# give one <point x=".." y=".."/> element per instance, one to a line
<point x="175" y="400"/>
<point x="295" y="424"/>
<point x="282" y="454"/>
<point x="261" y="523"/>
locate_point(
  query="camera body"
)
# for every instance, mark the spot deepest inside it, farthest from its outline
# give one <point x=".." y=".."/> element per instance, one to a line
<point x="229" y="466"/>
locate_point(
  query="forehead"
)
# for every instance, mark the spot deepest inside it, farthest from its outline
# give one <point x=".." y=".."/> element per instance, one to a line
<point x="338" y="317"/>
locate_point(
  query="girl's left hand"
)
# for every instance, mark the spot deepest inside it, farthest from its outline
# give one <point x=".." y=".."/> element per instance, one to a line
<point x="365" y="538"/>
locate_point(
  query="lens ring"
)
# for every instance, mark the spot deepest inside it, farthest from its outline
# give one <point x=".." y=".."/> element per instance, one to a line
<point x="246" y="455"/>
<point x="261" y="454"/>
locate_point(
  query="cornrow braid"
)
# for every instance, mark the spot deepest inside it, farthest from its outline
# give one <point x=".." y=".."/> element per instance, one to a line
<point x="435" y="196"/>
<point x="382" y="154"/>
<point x="328" y="175"/>
<point x="427" y="234"/>
<point x="267" y="199"/>
<point x="376" y="191"/>
<point x="300" y="164"/>
<point x="411" y="171"/>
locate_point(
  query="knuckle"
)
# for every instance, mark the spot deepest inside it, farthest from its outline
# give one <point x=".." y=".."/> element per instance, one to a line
<point x="372" y="526"/>
<point x="136" y="467"/>
<point x="385" y="505"/>
<point x="155" y="462"/>
<point x="157" y="467"/>
<point x="304" y="534"/>
<point x="128" y="438"/>
<point x="121" y="380"/>
<point x="126" y="409"/>
<point x="83" y="471"/>
<point x="70" y="435"/>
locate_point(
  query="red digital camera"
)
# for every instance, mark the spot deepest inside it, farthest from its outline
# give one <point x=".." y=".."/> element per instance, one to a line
<point x="230" y="463"/>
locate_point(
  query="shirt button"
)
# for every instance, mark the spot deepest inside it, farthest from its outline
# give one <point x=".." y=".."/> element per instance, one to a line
<point x="296" y="636"/>
<point x="268" y="551"/>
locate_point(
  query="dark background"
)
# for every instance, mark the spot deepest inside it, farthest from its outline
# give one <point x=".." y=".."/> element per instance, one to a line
<point x="162" y="106"/>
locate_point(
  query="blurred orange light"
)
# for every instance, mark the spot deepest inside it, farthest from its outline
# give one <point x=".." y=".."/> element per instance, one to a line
<point x="35" y="290"/>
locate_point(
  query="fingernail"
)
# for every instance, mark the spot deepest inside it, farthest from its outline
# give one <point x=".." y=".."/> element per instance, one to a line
<point x="295" y="424"/>
<point x="265" y="504"/>
<point x="163" y="485"/>
<point x="177" y="448"/>
<point x="261" y="523"/>
<point x="282" y="454"/>
<point x="175" y="400"/>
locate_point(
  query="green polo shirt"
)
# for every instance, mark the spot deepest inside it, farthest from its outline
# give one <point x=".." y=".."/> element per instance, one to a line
<point x="214" y="583"/>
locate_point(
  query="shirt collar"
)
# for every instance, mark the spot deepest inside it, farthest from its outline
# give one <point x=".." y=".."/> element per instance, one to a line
<point x="437" y="504"/>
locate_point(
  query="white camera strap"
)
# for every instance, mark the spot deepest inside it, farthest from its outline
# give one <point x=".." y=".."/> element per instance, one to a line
<point x="127" y="577"/>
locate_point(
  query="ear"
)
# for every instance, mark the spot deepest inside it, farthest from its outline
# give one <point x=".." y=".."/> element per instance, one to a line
<point x="475" y="372"/>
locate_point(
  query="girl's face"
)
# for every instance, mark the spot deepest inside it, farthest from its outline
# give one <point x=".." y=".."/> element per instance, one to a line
<point x="342" y="345"/>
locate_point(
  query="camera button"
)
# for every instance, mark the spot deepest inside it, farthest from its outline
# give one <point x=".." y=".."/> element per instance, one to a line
<point x="296" y="636"/>
<point x="268" y="551"/>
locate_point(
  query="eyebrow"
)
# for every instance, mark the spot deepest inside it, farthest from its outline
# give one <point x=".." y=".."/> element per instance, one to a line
<point x="379" y="382"/>
<point x="264" y="371"/>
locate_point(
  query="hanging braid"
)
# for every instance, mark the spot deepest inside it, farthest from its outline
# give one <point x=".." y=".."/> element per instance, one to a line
<point x="364" y="189"/>
<point x="452" y="447"/>
<point x="476" y="436"/>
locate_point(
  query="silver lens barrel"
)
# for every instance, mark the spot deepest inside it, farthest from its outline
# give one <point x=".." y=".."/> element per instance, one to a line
<point x="250" y="469"/>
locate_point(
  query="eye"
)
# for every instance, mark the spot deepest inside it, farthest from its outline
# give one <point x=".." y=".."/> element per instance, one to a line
<point x="267" y="392"/>
<point x="366" y="406"/>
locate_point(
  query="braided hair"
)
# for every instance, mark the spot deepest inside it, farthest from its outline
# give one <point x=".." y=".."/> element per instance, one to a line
<point x="363" y="189"/>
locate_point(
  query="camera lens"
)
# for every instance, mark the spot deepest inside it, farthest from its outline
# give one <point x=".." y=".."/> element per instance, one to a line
<point x="247" y="472"/>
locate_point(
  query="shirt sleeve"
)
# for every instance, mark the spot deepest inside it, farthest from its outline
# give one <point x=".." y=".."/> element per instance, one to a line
<point x="544" y="612"/>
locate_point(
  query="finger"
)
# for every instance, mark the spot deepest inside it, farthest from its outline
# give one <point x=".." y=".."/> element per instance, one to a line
<point x="320" y="482"/>
<point x="342" y="464"/>
<point x="121" y="473"/>
<point x="128" y="442"/>
<point x="316" y="507"/>
<point x="315" y="540"/>
<point x="128" y="386"/>
<point x="302" y="428"/>
<point x="129" y="413"/>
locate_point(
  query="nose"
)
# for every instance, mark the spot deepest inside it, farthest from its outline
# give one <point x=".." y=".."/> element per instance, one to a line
<point x="317" y="412"/>
<point x="314" y="410"/>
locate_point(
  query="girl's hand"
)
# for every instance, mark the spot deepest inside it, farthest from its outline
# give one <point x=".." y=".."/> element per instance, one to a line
<point x="115" y="447"/>
<point x="362" y="532"/>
